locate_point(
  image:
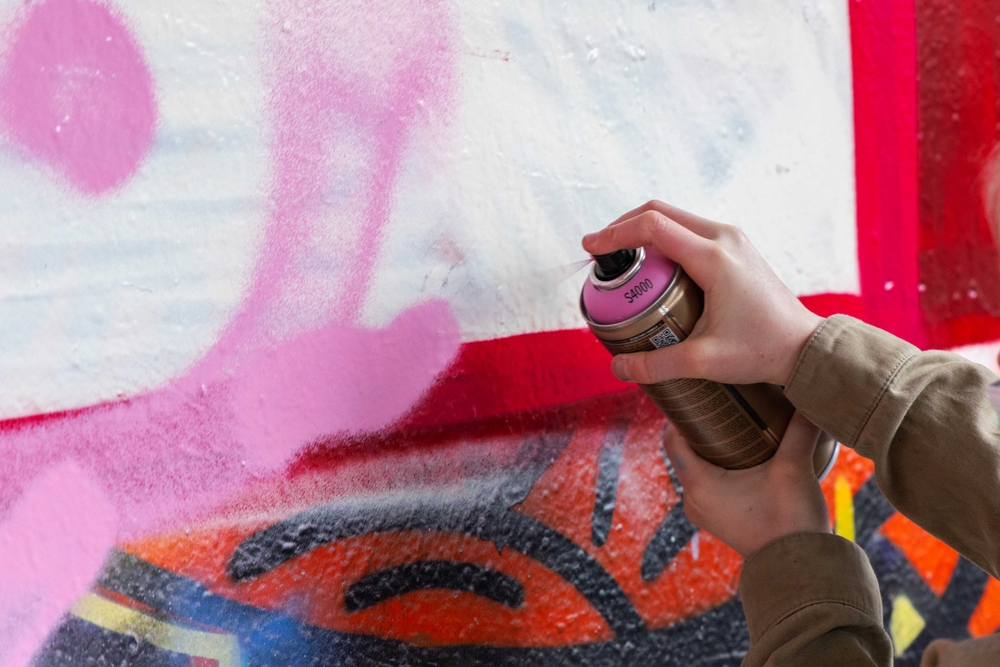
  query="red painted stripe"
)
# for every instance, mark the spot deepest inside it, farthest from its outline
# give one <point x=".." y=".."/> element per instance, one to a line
<point x="884" y="62"/>
<point x="527" y="372"/>
<point x="826" y="305"/>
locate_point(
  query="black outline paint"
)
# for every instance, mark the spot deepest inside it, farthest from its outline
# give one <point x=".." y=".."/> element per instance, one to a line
<point x="609" y="463"/>
<point x="668" y="541"/>
<point x="309" y="530"/>
<point x="717" y="637"/>
<point x="433" y="574"/>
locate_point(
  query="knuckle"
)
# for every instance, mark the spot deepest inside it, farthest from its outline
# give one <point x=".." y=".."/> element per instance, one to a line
<point x="716" y="254"/>
<point x="730" y="231"/>
<point x="735" y="236"/>
<point x="652" y="221"/>
<point x="640" y="369"/>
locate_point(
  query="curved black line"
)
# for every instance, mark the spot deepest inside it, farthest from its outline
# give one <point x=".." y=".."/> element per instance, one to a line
<point x="668" y="540"/>
<point x="448" y="575"/>
<point x="608" y="465"/>
<point x="266" y="550"/>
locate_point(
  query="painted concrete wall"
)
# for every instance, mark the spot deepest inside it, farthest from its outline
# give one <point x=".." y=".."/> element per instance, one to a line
<point x="292" y="369"/>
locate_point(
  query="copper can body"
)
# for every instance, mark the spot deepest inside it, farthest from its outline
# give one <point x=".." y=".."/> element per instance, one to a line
<point x="732" y="426"/>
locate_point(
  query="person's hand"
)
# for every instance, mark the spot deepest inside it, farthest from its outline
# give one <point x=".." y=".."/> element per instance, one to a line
<point x="747" y="509"/>
<point x="980" y="652"/>
<point x="753" y="327"/>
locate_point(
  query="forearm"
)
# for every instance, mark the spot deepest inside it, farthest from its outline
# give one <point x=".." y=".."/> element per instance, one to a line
<point x="813" y="599"/>
<point x="924" y="418"/>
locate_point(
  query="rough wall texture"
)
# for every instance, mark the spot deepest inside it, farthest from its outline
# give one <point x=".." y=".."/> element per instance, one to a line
<point x="291" y="368"/>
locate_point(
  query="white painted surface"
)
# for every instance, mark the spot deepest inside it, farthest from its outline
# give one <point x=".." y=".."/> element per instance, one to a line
<point x="566" y="115"/>
<point x="739" y="111"/>
<point x="982" y="353"/>
<point x="106" y="298"/>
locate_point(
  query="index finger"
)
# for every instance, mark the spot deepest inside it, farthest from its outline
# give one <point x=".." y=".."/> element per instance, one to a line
<point x="698" y="255"/>
<point x="697" y="224"/>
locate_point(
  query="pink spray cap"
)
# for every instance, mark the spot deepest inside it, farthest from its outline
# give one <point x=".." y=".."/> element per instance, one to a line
<point x="622" y="296"/>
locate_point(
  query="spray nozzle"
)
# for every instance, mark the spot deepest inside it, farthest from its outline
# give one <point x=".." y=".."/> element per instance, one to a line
<point x="613" y="264"/>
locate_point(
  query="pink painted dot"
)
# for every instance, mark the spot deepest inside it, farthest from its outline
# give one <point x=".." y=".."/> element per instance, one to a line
<point x="76" y="93"/>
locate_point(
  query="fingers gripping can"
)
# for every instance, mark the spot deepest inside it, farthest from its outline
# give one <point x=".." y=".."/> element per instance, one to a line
<point x="639" y="300"/>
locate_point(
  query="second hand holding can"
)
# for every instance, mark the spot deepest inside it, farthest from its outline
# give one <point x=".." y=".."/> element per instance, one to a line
<point x="639" y="300"/>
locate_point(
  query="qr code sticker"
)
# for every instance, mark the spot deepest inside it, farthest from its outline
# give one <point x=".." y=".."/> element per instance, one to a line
<point x="664" y="338"/>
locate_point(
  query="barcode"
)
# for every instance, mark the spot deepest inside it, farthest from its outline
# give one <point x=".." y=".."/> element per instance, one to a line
<point x="664" y="338"/>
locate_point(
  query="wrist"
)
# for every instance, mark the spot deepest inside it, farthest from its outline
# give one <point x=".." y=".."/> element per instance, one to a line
<point x="797" y="338"/>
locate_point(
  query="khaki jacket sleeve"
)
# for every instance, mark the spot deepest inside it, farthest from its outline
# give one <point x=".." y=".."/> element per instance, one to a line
<point x="812" y="599"/>
<point x="924" y="418"/>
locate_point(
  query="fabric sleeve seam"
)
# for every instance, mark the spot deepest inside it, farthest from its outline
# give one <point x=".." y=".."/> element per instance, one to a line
<point x="812" y="603"/>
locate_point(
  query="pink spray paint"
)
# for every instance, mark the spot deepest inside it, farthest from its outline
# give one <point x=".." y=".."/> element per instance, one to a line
<point x="77" y="95"/>
<point x="340" y="378"/>
<point x="321" y="89"/>
<point x="53" y="544"/>
<point x="255" y="399"/>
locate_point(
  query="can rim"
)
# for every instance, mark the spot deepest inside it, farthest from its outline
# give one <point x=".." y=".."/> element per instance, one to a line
<point x="831" y="462"/>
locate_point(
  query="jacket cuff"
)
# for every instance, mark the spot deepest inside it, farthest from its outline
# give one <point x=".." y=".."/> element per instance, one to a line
<point x="804" y="569"/>
<point x="842" y="373"/>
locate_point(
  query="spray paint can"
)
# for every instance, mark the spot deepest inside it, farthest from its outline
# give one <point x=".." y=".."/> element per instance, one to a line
<point x="639" y="300"/>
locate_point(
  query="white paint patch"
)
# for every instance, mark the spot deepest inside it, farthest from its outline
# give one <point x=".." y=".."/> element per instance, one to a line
<point x="982" y="353"/>
<point x="571" y="114"/>
<point x="104" y="298"/>
<point x="566" y="116"/>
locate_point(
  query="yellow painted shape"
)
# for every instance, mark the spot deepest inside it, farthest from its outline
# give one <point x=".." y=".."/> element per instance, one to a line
<point x="843" y="505"/>
<point x="124" y="620"/>
<point x="906" y="623"/>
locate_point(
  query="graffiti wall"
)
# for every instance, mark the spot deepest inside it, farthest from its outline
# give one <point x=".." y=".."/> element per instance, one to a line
<point x="292" y="368"/>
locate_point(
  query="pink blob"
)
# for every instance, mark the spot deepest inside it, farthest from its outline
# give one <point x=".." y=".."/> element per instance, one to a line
<point x="340" y="378"/>
<point x="76" y="93"/>
<point x="635" y="296"/>
<point x="53" y="544"/>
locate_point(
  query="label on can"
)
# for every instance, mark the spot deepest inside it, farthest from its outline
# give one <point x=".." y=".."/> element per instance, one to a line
<point x="665" y="338"/>
<point x="644" y="341"/>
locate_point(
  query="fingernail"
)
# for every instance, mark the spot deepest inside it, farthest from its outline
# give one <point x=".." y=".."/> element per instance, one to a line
<point x="587" y="238"/>
<point x="618" y="367"/>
